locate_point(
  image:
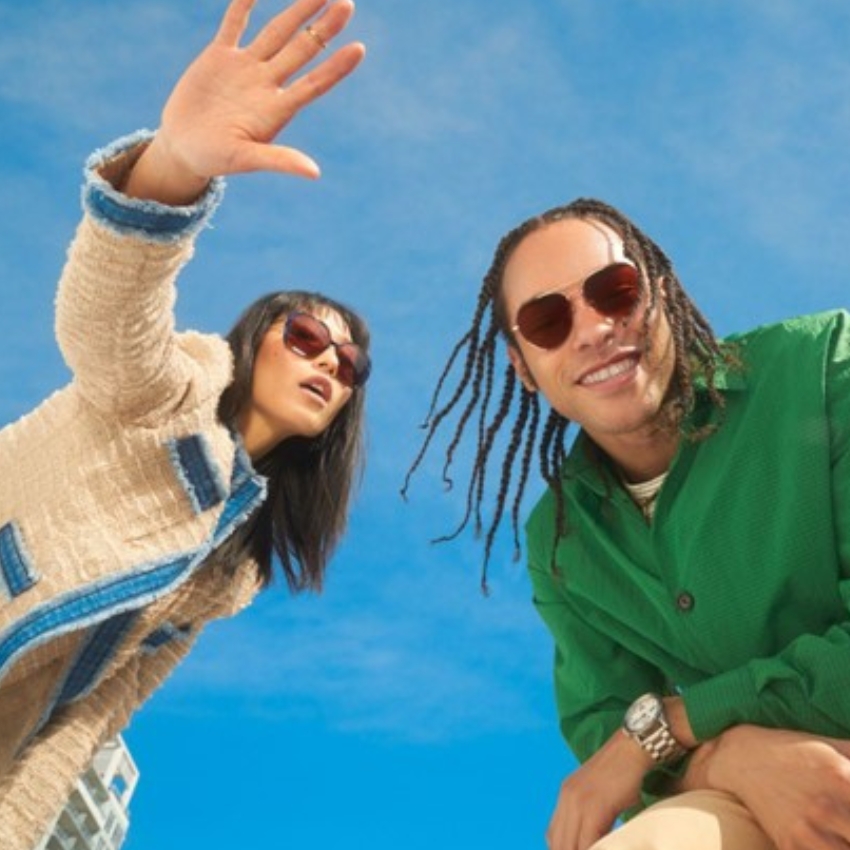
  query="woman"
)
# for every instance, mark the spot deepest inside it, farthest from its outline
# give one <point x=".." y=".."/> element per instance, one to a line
<point x="150" y="495"/>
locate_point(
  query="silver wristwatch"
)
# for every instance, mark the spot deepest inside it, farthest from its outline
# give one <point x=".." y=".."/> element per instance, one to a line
<point x="646" y="722"/>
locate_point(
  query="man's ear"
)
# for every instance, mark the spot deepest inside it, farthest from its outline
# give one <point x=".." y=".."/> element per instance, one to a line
<point x="521" y="368"/>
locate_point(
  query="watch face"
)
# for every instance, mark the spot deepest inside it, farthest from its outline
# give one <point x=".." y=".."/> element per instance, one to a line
<point x="643" y="713"/>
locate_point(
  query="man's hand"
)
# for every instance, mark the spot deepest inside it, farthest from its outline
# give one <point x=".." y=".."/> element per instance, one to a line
<point x="796" y="785"/>
<point x="594" y="796"/>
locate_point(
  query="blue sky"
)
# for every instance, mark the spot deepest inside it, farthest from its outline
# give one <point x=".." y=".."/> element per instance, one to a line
<point x="401" y="707"/>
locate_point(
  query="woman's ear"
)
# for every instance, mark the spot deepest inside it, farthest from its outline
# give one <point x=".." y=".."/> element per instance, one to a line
<point x="521" y="368"/>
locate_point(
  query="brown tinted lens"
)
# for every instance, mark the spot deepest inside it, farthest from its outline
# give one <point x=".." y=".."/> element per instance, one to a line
<point x="306" y="335"/>
<point x="309" y="337"/>
<point x="613" y="291"/>
<point x="546" y="322"/>
<point x="353" y="365"/>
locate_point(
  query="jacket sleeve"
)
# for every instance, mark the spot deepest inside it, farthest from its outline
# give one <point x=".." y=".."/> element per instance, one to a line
<point x="33" y="793"/>
<point x="595" y="678"/>
<point x="114" y="307"/>
<point x="805" y="686"/>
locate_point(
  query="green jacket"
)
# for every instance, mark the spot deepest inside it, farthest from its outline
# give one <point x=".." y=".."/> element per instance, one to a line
<point x="738" y="593"/>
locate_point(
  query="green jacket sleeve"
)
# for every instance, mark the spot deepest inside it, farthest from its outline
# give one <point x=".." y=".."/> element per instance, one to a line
<point x="810" y="678"/>
<point x="595" y="678"/>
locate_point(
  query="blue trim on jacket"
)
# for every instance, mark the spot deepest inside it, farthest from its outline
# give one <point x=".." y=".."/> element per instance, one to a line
<point x="197" y="471"/>
<point x="94" y="655"/>
<point x="144" y="219"/>
<point x="164" y="634"/>
<point x="133" y="589"/>
<point x="17" y="573"/>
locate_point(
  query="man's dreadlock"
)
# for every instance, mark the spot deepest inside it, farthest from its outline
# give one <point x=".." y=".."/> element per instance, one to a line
<point x="476" y="397"/>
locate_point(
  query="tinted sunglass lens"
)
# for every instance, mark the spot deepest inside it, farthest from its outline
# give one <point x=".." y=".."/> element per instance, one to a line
<point x="546" y="322"/>
<point x="306" y="334"/>
<point x="309" y="337"/>
<point x="614" y="290"/>
<point x="354" y="365"/>
<point x="346" y="370"/>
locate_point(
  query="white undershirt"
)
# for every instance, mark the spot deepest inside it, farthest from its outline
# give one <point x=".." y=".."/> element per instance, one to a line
<point x="645" y="493"/>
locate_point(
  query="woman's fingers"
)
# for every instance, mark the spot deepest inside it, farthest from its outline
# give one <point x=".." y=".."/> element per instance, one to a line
<point x="324" y="77"/>
<point x="269" y="157"/>
<point x="234" y="22"/>
<point x="292" y="38"/>
<point x="277" y="158"/>
<point x="229" y="106"/>
<point x="310" y="40"/>
<point x="283" y="28"/>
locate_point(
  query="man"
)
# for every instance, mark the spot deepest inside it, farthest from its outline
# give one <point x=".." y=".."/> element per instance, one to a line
<point x="691" y="555"/>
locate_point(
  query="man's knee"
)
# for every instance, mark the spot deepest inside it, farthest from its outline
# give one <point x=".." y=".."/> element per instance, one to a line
<point x="698" y="820"/>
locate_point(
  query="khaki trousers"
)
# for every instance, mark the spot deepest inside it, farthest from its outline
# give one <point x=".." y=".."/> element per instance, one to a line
<point x="696" y="820"/>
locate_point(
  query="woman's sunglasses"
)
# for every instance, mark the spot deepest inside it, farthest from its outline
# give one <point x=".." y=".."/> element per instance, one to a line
<point x="308" y="337"/>
<point x="546" y="320"/>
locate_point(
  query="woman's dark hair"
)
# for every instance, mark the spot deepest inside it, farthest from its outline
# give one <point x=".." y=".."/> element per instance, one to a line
<point x="697" y="353"/>
<point x="310" y="479"/>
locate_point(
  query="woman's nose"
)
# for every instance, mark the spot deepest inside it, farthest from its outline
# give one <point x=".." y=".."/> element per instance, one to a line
<point x="328" y="360"/>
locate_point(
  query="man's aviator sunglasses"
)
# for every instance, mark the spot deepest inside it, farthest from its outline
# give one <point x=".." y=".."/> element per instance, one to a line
<point x="308" y="337"/>
<point x="547" y="319"/>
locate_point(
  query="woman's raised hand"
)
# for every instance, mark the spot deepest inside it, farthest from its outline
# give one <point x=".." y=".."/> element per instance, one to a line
<point x="231" y="103"/>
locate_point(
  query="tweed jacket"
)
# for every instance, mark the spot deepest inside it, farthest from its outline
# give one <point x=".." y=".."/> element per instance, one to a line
<point x="113" y="493"/>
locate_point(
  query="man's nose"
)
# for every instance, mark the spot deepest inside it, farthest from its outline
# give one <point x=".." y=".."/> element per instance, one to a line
<point x="590" y="327"/>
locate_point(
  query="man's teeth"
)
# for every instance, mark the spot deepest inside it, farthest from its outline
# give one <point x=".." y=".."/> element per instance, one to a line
<point x="609" y="372"/>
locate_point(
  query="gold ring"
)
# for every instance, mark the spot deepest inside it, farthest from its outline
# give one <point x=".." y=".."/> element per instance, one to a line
<point x="315" y="36"/>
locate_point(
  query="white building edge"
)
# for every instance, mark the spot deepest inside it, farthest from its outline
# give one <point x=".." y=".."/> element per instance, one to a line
<point x="97" y="814"/>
